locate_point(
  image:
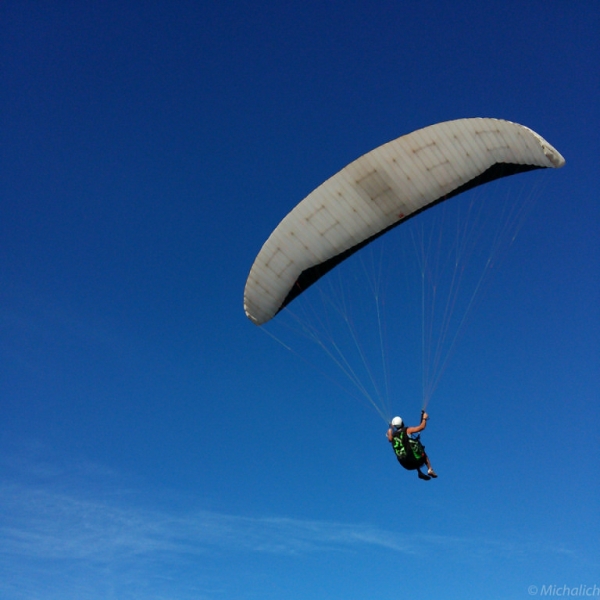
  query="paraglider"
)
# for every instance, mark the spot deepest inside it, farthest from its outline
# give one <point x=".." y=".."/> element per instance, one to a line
<point x="376" y="193"/>
<point x="409" y="450"/>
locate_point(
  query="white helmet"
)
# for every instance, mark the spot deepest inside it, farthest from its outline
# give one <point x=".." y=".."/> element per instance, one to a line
<point x="397" y="422"/>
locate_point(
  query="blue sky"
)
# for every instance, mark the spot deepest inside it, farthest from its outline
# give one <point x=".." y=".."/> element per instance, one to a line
<point x="156" y="444"/>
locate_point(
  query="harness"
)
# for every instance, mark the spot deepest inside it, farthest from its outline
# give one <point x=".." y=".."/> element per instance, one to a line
<point x="409" y="451"/>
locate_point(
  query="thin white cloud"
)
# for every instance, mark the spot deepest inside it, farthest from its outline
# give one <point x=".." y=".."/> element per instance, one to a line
<point x="39" y="523"/>
<point x="87" y="537"/>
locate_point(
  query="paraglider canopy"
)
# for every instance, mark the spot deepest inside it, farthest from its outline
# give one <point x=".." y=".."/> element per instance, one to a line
<point x="379" y="191"/>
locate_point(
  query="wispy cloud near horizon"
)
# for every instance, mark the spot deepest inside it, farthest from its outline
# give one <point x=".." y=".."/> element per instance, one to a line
<point x="66" y="537"/>
<point x="40" y="523"/>
<point x="66" y="544"/>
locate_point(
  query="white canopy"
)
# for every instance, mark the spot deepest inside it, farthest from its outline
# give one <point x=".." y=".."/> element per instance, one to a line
<point x="380" y="190"/>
